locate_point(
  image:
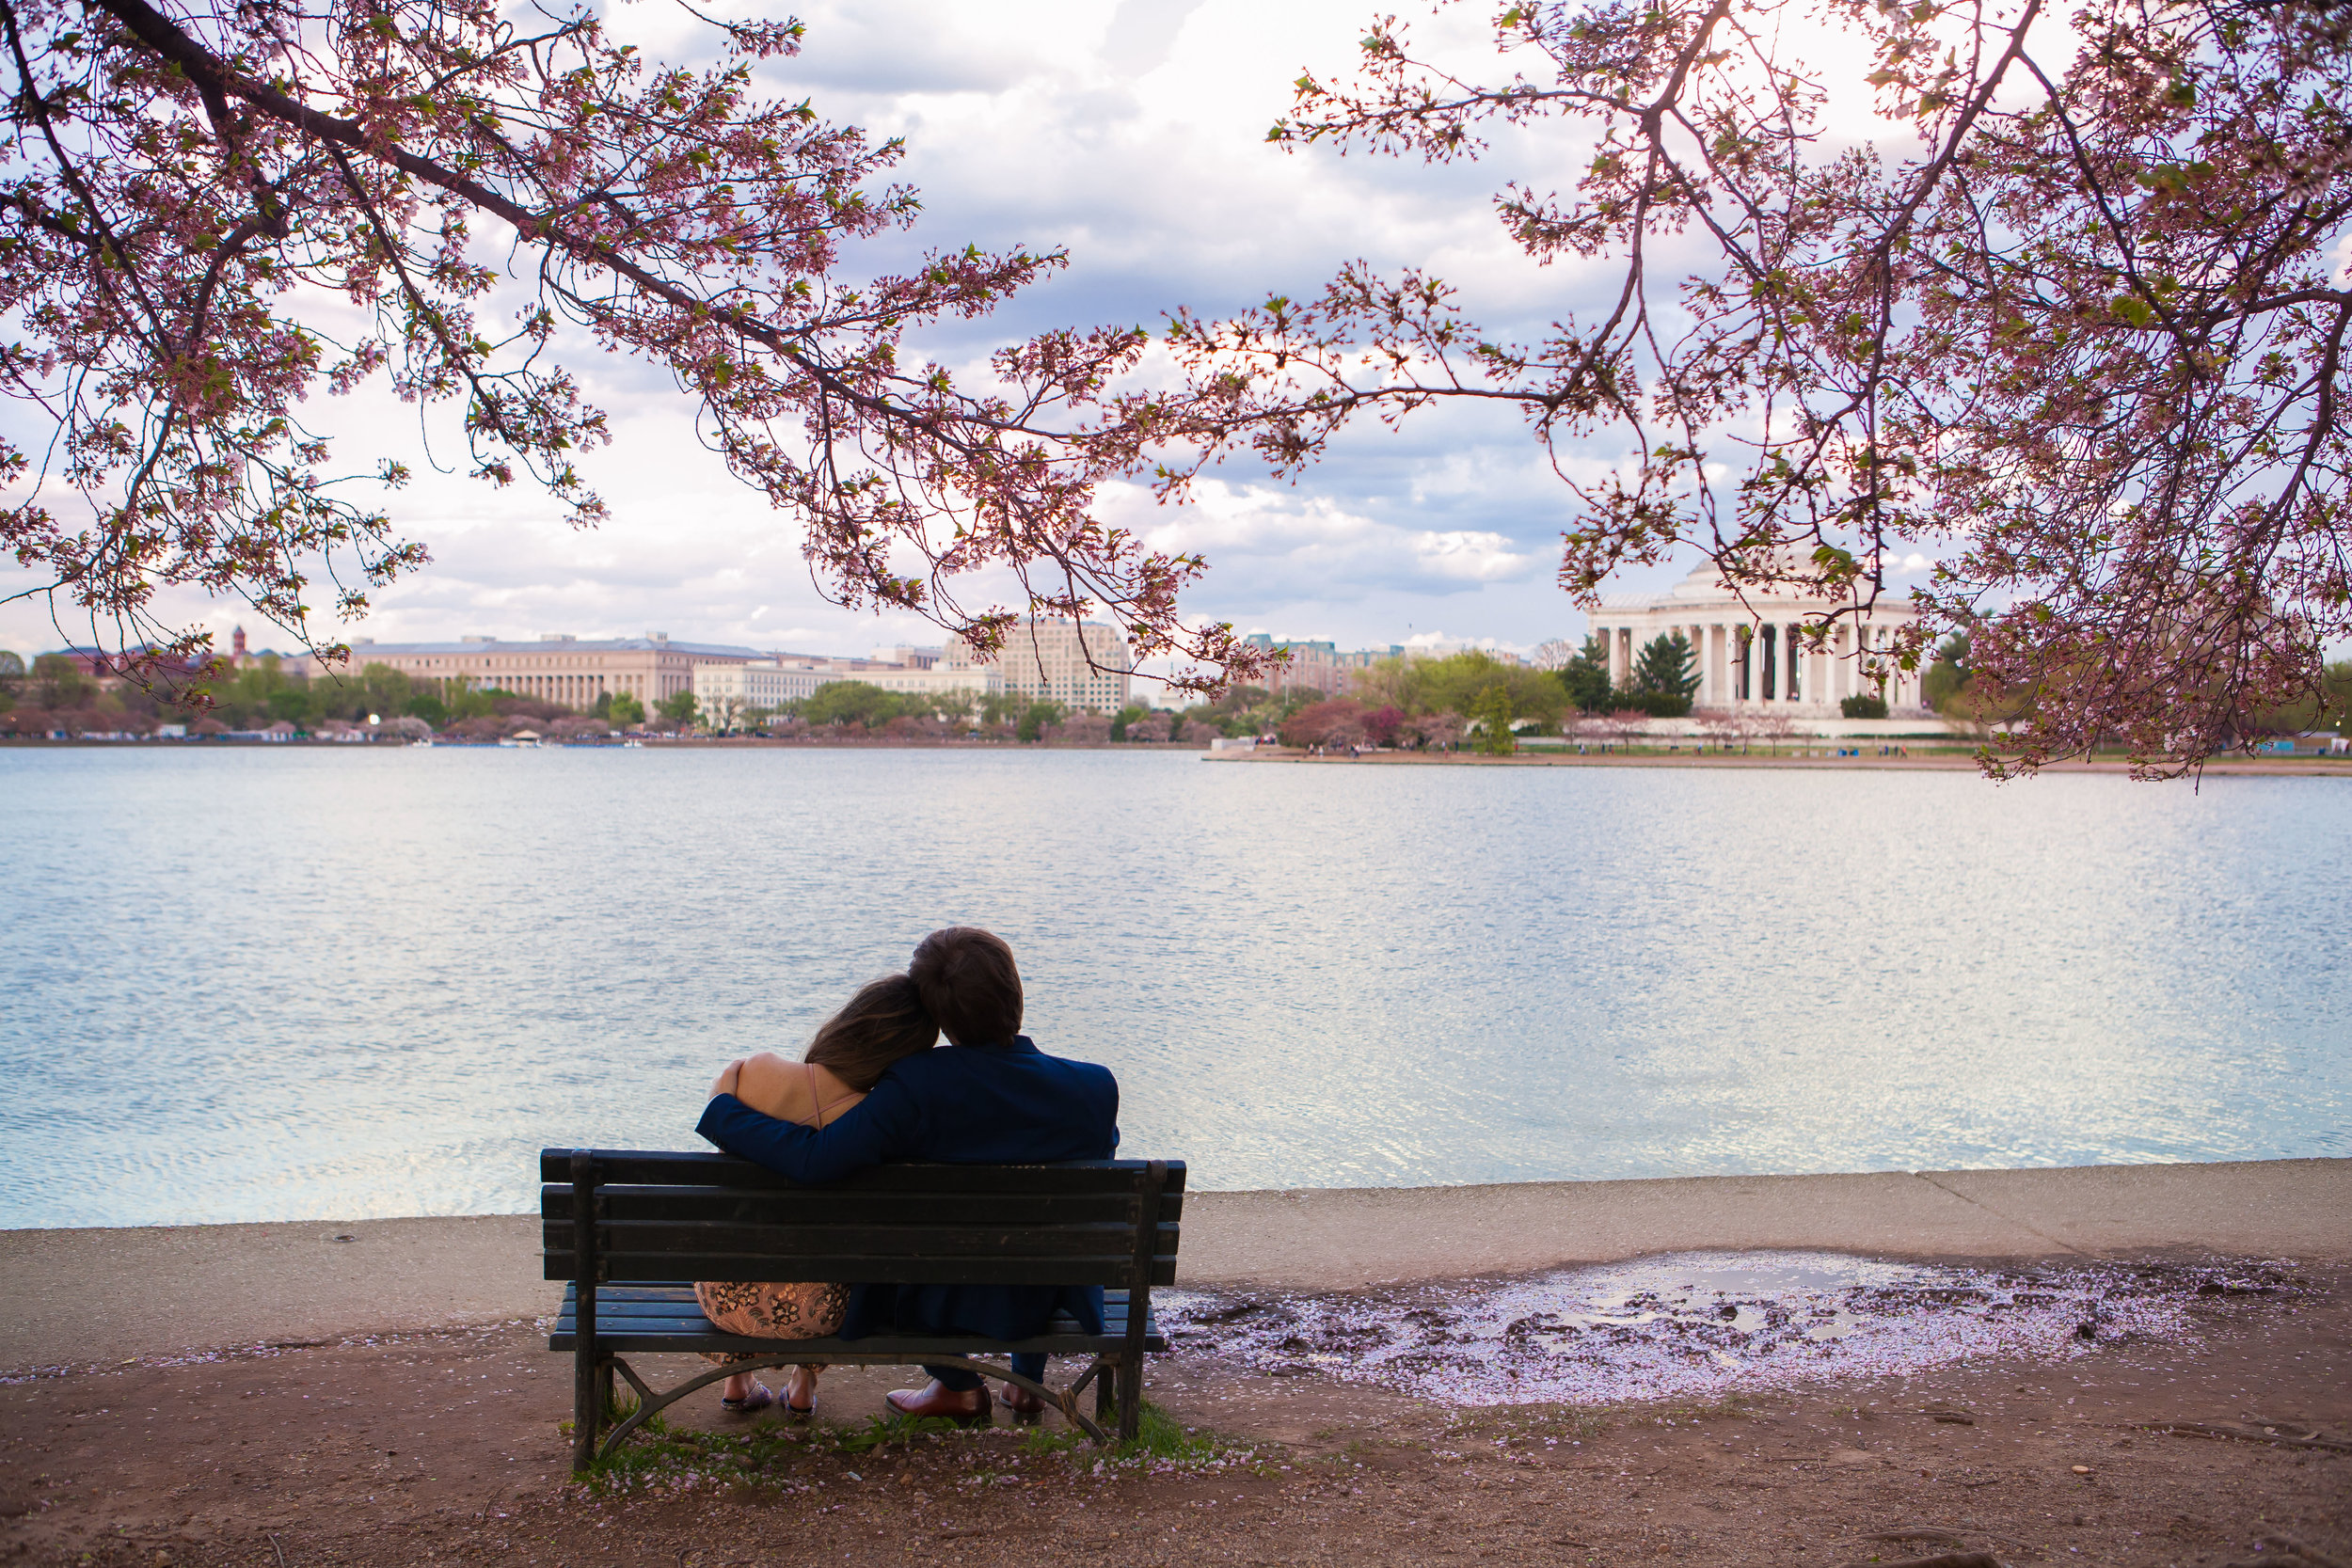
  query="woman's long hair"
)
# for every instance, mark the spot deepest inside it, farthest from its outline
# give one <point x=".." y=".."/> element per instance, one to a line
<point x="885" y="1021"/>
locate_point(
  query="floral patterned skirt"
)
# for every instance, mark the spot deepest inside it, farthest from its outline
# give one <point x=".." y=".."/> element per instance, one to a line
<point x="771" y="1311"/>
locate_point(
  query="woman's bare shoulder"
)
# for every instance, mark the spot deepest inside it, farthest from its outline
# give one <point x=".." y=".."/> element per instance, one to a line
<point x="777" y="1087"/>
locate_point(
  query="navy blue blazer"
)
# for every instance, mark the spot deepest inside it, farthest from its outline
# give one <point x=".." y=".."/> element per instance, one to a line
<point x="973" y="1106"/>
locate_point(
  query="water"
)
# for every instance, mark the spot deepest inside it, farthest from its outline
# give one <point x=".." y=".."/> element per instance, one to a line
<point x="267" y="984"/>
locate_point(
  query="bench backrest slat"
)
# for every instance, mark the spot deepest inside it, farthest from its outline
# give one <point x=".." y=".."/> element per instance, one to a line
<point x="1114" y="1274"/>
<point x="669" y="1217"/>
<point x="656" y="1167"/>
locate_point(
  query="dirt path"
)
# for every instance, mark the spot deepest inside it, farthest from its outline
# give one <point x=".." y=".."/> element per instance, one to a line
<point x="444" y="1449"/>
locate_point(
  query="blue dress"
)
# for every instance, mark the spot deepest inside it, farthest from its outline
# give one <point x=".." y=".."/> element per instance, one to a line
<point x="1002" y="1104"/>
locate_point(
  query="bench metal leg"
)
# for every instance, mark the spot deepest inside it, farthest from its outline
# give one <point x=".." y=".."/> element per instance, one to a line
<point x="650" y="1403"/>
<point x="1104" y="1371"/>
<point x="1130" y="1400"/>
<point x="587" y="1405"/>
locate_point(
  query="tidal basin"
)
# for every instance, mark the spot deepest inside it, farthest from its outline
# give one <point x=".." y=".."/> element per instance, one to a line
<point x="251" y="984"/>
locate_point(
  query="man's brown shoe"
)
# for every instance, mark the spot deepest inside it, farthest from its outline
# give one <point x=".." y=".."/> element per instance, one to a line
<point x="970" y="1408"/>
<point x="1021" y="1401"/>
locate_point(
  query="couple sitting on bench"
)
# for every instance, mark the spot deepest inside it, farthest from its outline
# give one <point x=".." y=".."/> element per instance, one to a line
<point x="872" y="1089"/>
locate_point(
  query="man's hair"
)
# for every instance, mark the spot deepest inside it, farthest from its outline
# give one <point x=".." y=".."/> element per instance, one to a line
<point x="969" y="984"/>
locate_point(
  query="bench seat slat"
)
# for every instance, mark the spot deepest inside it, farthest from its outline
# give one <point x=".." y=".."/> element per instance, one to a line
<point x="677" y="1301"/>
<point x="696" y="1333"/>
<point x="674" y="1324"/>
<point x="659" y="1168"/>
<point x="693" y="1326"/>
<point x="890" y="1351"/>
<point x="1114" y="1318"/>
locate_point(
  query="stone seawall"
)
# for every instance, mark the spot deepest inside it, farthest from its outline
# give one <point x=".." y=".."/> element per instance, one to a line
<point x="103" y="1295"/>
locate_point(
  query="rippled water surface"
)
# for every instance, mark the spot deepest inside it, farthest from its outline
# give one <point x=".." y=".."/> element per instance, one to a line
<point x="247" y="984"/>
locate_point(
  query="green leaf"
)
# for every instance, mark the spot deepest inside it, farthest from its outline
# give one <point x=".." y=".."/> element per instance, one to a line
<point x="2133" y="309"/>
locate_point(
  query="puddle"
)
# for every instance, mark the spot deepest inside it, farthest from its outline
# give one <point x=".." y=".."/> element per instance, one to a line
<point x="1692" y="1325"/>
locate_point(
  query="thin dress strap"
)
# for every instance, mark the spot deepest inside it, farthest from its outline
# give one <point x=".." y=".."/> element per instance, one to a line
<point x="815" y="1100"/>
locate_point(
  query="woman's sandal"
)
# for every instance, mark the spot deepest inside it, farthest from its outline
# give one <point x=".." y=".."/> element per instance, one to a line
<point x="798" y="1411"/>
<point x="759" y="1399"/>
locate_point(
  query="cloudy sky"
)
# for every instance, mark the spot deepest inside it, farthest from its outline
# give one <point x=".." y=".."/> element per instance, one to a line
<point x="1133" y="134"/>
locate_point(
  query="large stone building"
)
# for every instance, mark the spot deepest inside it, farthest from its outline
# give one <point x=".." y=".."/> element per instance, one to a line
<point x="1078" y="665"/>
<point x="1744" y="664"/>
<point x="555" y="667"/>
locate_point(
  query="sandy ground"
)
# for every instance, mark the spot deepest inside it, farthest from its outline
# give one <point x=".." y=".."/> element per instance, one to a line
<point x="445" y="1448"/>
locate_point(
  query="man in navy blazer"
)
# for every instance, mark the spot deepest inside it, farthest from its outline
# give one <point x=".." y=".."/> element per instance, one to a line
<point x="988" y="1097"/>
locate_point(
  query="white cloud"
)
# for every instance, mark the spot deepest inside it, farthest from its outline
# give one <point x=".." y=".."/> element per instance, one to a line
<point x="1267" y="545"/>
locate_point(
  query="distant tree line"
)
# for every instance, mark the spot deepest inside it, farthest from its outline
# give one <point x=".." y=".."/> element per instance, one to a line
<point x="57" y="694"/>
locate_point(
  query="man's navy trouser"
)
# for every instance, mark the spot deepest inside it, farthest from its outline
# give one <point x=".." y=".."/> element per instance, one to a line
<point x="957" y="1380"/>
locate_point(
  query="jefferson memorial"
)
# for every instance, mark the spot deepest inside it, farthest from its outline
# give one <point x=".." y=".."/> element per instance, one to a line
<point x="1751" y="656"/>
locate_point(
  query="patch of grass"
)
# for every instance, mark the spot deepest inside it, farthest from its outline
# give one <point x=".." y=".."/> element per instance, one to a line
<point x="619" y="1405"/>
<point x="1510" y="1421"/>
<point x="1042" y="1441"/>
<point x="657" y="1443"/>
<point x="1731" y="1407"/>
<point x="1161" y="1443"/>
<point x="660" y="1457"/>
<point x="881" y="1431"/>
<point x="766" y="1453"/>
<point x="1160" y="1435"/>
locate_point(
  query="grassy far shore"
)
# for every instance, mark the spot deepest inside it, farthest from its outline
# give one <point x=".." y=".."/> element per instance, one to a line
<point x="1931" y="754"/>
<point x="1898" y="756"/>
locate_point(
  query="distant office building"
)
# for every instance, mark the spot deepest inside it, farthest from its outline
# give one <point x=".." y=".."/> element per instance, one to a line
<point x="1311" y="666"/>
<point x="1751" y="656"/>
<point x="1080" y="665"/>
<point x="1317" y="666"/>
<point x="556" y="668"/>
<point x="764" y="683"/>
<point x="980" y="680"/>
<point x="772" y="683"/>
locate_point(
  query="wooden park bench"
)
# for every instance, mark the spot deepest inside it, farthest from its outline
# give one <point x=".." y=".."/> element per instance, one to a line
<point x="631" y="1231"/>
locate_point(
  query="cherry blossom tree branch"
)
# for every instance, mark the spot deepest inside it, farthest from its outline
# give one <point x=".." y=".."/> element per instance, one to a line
<point x="195" y="181"/>
<point x="2093" y="255"/>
